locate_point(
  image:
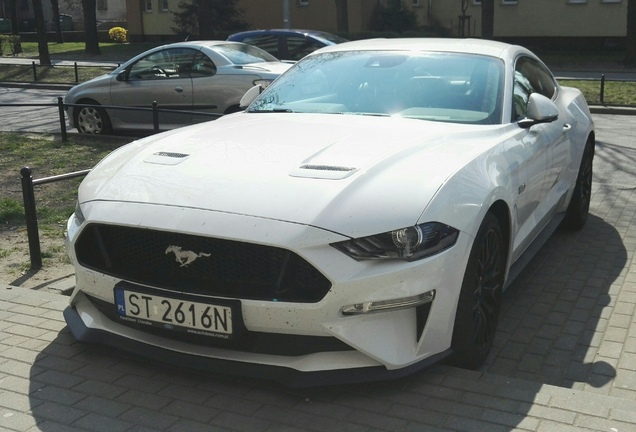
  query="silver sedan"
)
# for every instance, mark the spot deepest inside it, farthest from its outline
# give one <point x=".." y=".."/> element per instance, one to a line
<point x="182" y="78"/>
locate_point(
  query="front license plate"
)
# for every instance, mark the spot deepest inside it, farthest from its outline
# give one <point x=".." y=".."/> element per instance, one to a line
<point x="174" y="314"/>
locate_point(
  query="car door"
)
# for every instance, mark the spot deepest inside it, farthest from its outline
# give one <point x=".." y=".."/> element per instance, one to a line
<point x="164" y="77"/>
<point x="529" y="211"/>
<point x="555" y="133"/>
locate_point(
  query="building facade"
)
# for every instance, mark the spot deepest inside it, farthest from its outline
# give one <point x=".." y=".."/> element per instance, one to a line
<point x="564" y="19"/>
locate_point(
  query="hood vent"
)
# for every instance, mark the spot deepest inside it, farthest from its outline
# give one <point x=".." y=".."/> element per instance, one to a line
<point x="329" y="172"/>
<point x="166" y="158"/>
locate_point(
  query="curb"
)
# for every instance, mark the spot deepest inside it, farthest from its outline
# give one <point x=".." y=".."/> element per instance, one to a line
<point x="42" y="86"/>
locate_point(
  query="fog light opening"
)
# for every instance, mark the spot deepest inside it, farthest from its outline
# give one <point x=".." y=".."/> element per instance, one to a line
<point x="389" y="305"/>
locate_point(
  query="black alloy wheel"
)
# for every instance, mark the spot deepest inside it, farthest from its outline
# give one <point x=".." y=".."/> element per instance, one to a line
<point x="579" y="207"/>
<point x="480" y="297"/>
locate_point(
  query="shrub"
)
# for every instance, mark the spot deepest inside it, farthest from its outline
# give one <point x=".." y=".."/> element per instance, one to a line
<point x="118" y="34"/>
<point x="11" y="41"/>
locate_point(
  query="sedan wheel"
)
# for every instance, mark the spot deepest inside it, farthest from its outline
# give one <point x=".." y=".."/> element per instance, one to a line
<point x="92" y="120"/>
<point x="579" y="206"/>
<point x="480" y="297"/>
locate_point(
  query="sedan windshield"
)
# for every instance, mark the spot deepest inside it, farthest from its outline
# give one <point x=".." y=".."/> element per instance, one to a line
<point x="450" y="87"/>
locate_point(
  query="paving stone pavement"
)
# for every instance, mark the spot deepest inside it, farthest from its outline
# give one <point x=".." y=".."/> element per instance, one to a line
<point x="564" y="357"/>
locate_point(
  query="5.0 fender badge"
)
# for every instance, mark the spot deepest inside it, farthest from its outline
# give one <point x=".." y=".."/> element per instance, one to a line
<point x="185" y="257"/>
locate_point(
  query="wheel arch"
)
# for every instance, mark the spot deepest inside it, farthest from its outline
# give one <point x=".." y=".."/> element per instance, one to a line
<point x="501" y="211"/>
<point x="82" y="101"/>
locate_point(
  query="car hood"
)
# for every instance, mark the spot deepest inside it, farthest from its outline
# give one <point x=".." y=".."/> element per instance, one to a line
<point x="328" y="171"/>
<point x="102" y="81"/>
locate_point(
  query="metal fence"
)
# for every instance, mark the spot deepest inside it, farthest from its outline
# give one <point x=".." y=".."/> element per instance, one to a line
<point x="28" y="183"/>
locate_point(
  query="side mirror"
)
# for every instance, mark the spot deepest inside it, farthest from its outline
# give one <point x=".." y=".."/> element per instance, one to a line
<point x="249" y="96"/>
<point x="540" y="110"/>
<point x="122" y="76"/>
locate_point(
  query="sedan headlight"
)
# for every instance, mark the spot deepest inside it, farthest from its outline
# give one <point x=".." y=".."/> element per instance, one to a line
<point x="409" y="244"/>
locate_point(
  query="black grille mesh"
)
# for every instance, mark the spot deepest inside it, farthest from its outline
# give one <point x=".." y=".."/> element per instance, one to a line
<point x="232" y="269"/>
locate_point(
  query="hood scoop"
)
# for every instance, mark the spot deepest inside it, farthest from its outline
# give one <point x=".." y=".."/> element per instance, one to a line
<point x="328" y="172"/>
<point x="166" y="158"/>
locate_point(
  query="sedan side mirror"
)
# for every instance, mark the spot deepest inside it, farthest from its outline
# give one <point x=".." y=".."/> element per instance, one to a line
<point x="122" y="76"/>
<point x="250" y="95"/>
<point x="540" y="110"/>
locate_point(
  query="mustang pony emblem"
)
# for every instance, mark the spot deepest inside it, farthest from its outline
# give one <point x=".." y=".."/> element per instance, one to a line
<point x="184" y="257"/>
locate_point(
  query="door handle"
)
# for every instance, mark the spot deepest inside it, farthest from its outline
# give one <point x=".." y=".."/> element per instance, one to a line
<point x="567" y="127"/>
<point x="178" y="89"/>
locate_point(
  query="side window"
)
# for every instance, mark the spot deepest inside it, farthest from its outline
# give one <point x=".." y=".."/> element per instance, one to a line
<point x="165" y="64"/>
<point x="530" y="76"/>
<point x="268" y="43"/>
<point x="299" y="47"/>
<point x="203" y="66"/>
<point x="520" y="96"/>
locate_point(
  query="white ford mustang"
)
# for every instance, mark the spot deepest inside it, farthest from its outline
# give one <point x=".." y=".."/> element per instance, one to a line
<point x="360" y="219"/>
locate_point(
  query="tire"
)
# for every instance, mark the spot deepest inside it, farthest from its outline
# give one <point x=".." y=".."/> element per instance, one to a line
<point x="480" y="297"/>
<point x="579" y="207"/>
<point x="92" y="120"/>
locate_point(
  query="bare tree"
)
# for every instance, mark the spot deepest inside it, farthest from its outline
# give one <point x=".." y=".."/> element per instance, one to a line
<point x="630" y="43"/>
<point x="13" y="15"/>
<point x="487" y="19"/>
<point x="89" y="8"/>
<point x="56" y="21"/>
<point x="40" y="28"/>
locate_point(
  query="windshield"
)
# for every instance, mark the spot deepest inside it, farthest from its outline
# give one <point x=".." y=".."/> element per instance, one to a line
<point x="242" y="54"/>
<point x="460" y="88"/>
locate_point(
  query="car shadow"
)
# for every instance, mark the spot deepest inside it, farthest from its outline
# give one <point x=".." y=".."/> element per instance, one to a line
<point x="556" y="314"/>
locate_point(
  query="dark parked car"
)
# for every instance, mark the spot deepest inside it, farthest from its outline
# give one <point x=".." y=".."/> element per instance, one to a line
<point x="287" y="44"/>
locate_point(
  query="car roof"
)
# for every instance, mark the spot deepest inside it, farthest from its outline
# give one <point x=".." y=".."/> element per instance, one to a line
<point x="288" y="31"/>
<point x="469" y="46"/>
<point x="203" y="43"/>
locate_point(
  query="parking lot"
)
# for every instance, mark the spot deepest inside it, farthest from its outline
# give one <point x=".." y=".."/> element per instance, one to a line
<point x="564" y="358"/>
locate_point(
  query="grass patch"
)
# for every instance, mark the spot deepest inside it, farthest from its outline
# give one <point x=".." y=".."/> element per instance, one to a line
<point x="71" y="51"/>
<point x="615" y="92"/>
<point x="46" y="157"/>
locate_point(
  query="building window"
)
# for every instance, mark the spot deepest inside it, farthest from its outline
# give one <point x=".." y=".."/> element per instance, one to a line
<point x="164" y="6"/>
<point x="417" y="3"/>
<point x="577" y="1"/>
<point x="611" y="1"/>
<point x="303" y="2"/>
<point x="477" y="2"/>
<point x="102" y="4"/>
<point x="148" y="5"/>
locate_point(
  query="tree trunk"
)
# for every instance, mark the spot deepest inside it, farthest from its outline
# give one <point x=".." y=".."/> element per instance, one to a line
<point x="487" y="19"/>
<point x="342" y="16"/>
<point x="90" y="22"/>
<point x="56" y="21"/>
<point x="15" y="25"/>
<point x="630" y="43"/>
<point x="40" y="28"/>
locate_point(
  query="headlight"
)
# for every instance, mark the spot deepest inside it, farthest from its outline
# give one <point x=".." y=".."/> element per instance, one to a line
<point x="409" y="244"/>
<point x="78" y="213"/>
